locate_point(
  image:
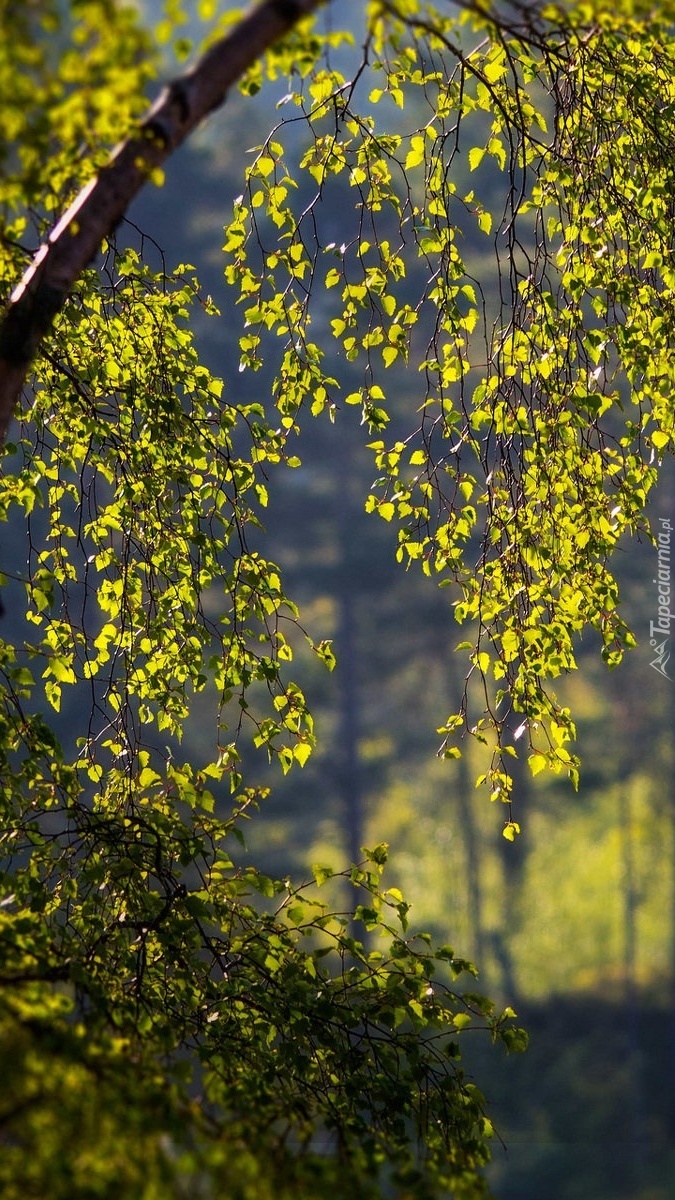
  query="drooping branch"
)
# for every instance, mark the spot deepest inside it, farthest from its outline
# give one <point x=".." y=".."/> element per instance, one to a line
<point x="100" y="206"/>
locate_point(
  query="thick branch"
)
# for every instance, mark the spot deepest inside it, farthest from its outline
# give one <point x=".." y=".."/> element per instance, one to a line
<point x="103" y="202"/>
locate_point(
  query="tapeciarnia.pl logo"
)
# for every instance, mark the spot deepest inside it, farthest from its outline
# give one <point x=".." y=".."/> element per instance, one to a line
<point x="661" y="626"/>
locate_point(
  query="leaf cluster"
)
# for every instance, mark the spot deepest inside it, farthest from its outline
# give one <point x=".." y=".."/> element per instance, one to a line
<point x="534" y="307"/>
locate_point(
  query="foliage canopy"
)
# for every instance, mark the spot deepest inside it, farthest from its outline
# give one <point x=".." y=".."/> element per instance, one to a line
<point x="207" y="1020"/>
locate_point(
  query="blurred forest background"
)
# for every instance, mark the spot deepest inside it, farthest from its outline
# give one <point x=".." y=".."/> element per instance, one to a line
<point x="574" y="923"/>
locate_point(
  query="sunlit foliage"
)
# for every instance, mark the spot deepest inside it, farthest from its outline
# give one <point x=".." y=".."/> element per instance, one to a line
<point x="541" y="364"/>
<point x="168" y="1018"/>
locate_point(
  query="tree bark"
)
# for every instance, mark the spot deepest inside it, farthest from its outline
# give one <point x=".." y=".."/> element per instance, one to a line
<point x="100" y="206"/>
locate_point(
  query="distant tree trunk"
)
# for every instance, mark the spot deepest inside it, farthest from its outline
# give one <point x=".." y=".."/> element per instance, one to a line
<point x="632" y="999"/>
<point x="630" y="896"/>
<point x="513" y="858"/>
<point x="101" y="205"/>
<point x="351" y="781"/>
<point x="350" y="598"/>
<point x="634" y="735"/>
<point x="472" y="843"/>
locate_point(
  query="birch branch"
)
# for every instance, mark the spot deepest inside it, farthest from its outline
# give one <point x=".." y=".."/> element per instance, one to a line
<point x="100" y="206"/>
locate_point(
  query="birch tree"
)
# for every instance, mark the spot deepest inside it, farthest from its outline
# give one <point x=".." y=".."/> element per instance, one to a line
<point x="171" y="1020"/>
